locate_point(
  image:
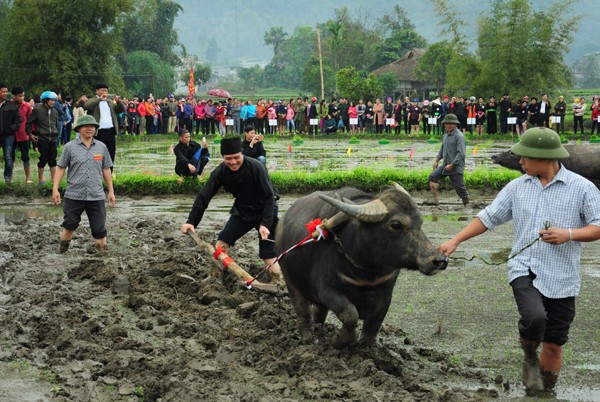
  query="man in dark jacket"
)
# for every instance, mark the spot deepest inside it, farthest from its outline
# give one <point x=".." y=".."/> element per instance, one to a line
<point x="10" y="121"/>
<point x="255" y="205"/>
<point x="106" y="112"/>
<point x="190" y="157"/>
<point x="252" y="146"/>
<point x="560" y="110"/>
<point x="45" y="118"/>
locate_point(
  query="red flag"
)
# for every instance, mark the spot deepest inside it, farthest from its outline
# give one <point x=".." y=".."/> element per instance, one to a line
<point x="191" y="85"/>
<point x="412" y="152"/>
<point x="290" y="148"/>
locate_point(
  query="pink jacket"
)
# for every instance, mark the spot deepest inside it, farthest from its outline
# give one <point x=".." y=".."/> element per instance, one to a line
<point x="290" y="114"/>
<point x="271" y="113"/>
<point x="199" y="112"/>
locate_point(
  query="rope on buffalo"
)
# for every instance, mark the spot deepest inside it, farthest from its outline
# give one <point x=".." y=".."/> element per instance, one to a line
<point x="547" y="225"/>
<point x="312" y="226"/>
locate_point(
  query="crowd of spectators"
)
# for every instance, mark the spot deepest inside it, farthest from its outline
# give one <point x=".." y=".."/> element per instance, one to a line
<point x="402" y="116"/>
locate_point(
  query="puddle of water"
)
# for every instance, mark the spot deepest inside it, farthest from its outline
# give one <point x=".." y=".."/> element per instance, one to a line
<point x="448" y="218"/>
<point x="592" y="367"/>
<point x="17" y="216"/>
<point x="314" y="155"/>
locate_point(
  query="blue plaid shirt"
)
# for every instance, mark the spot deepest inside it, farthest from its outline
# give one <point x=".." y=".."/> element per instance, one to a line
<point x="568" y="201"/>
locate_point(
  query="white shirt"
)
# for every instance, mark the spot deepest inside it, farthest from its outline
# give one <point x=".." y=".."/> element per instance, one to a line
<point x="568" y="201"/>
<point x="105" y="116"/>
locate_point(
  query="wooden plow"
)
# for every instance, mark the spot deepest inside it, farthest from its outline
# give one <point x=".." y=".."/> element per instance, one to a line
<point x="224" y="262"/>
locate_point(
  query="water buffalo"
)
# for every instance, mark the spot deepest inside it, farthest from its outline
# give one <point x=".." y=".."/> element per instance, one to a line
<point x="354" y="270"/>
<point x="584" y="160"/>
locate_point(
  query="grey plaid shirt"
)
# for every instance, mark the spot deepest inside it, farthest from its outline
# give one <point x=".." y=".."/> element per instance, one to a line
<point x="568" y="201"/>
<point x="85" y="165"/>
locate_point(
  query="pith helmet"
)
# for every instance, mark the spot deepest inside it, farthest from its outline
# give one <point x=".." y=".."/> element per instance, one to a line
<point x="540" y="143"/>
<point x="85" y="120"/>
<point x="451" y="119"/>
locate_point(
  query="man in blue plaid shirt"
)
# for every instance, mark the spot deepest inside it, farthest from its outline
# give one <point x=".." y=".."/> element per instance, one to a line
<point x="563" y="210"/>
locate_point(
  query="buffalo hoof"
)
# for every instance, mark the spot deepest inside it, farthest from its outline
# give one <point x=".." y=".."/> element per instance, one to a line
<point x="342" y="339"/>
<point x="307" y="337"/>
<point x="366" y="342"/>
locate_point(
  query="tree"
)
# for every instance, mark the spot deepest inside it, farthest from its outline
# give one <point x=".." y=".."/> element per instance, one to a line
<point x="202" y="72"/>
<point x="389" y="83"/>
<point x="355" y="85"/>
<point x="525" y="51"/>
<point x="401" y="37"/>
<point x="150" y="27"/>
<point x="147" y="72"/>
<point x="251" y="77"/>
<point x="275" y="37"/>
<point x="286" y="67"/>
<point x="311" y="78"/>
<point x="433" y="63"/>
<point x="348" y="43"/>
<point x="452" y="25"/>
<point x="212" y="50"/>
<point x="50" y="44"/>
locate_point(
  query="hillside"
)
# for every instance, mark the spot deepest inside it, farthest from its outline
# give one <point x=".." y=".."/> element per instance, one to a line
<point x="238" y="26"/>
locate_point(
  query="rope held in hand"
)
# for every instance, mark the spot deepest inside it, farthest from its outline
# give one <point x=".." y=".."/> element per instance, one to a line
<point x="546" y="227"/>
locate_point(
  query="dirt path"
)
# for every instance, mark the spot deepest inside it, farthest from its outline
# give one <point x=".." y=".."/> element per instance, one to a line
<point x="146" y="321"/>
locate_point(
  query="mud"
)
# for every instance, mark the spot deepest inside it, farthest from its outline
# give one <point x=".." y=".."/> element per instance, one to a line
<point x="149" y="321"/>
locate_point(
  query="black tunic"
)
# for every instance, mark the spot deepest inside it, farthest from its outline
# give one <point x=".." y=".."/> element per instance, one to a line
<point x="251" y="187"/>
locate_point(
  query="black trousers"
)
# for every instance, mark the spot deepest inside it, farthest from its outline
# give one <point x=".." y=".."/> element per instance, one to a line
<point x="108" y="136"/>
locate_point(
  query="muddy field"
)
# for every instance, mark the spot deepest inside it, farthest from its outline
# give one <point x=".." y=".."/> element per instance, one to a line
<point x="146" y="321"/>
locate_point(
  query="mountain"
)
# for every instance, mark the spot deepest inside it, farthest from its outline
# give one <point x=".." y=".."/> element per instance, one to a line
<point x="232" y="30"/>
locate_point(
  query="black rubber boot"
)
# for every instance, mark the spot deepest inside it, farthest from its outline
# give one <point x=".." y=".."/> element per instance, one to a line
<point x="63" y="246"/>
<point x="532" y="377"/>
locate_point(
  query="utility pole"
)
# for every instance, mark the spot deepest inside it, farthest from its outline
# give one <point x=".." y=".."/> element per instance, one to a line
<point x="320" y="61"/>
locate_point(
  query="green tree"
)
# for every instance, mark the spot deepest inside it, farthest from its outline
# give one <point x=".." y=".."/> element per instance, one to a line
<point x="286" y="67"/>
<point x="433" y="64"/>
<point x="311" y="78"/>
<point x="452" y="25"/>
<point x="150" y="27"/>
<point x="252" y="77"/>
<point x="389" y="83"/>
<point x="401" y="37"/>
<point x="202" y="72"/>
<point x="463" y="74"/>
<point x="147" y="72"/>
<point x="348" y="43"/>
<point x="51" y="44"/>
<point x="355" y="85"/>
<point x="212" y="50"/>
<point x="524" y="53"/>
<point x="275" y="37"/>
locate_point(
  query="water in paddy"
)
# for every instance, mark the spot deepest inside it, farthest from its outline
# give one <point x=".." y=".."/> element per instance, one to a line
<point x="154" y="157"/>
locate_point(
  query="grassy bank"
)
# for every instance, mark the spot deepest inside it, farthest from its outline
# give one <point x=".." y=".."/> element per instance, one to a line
<point x="286" y="182"/>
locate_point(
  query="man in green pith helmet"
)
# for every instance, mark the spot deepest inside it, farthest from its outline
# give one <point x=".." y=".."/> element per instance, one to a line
<point x="544" y="277"/>
<point x="88" y="162"/>
<point x="452" y="152"/>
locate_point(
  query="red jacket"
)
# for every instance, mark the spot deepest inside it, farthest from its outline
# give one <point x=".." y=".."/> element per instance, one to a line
<point x="25" y="111"/>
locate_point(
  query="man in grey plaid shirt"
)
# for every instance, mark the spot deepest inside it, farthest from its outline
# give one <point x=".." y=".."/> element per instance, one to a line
<point x="544" y="277"/>
<point x="89" y="162"/>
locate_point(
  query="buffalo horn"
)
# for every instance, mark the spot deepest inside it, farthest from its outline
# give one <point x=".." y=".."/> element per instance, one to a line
<point x="373" y="211"/>
<point x="400" y="188"/>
